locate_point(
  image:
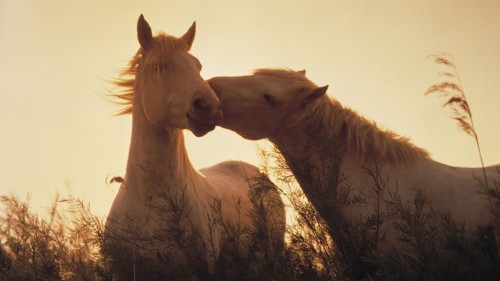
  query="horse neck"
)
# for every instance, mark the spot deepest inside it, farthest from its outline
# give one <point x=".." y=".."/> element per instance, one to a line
<point x="308" y="146"/>
<point x="158" y="161"/>
<point x="332" y="140"/>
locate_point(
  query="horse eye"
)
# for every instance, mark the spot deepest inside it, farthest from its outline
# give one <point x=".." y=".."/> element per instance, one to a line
<point x="270" y="99"/>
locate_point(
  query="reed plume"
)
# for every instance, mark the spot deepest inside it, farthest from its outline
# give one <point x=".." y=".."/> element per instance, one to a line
<point x="452" y="91"/>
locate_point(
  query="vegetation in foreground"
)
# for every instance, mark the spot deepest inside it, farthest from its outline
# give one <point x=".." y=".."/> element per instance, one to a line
<point x="69" y="243"/>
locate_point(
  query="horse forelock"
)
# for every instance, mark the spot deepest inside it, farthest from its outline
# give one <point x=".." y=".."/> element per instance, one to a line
<point x="365" y="138"/>
<point x="164" y="47"/>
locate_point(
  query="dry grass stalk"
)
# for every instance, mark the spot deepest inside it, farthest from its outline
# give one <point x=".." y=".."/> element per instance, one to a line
<point x="455" y="99"/>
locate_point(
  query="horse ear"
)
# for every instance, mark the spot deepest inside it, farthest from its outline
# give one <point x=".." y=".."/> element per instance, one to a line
<point x="316" y="93"/>
<point x="303" y="72"/>
<point x="144" y="33"/>
<point x="188" y="37"/>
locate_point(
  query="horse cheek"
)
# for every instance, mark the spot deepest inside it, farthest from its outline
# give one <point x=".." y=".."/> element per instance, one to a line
<point x="154" y="107"/>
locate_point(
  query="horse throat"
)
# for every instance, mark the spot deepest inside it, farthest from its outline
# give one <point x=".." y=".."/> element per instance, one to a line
<point x="158" y="162"/>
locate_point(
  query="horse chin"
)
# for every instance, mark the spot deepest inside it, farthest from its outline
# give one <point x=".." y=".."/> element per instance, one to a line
<point x="199" y="128"/>
<point x="202" y="132"/>
<point x="251" y="135"/>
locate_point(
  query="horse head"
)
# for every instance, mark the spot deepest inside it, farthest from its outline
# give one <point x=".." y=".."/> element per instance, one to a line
<point x="261" y="105"/>
<point x="170" y="90"/>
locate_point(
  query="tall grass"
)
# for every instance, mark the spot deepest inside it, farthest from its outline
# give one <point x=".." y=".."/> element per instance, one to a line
<point x="61" y="245"/>
<point x="433" y="245"/>
<point x="69" y="242"/>
<point x="451" y="89"/>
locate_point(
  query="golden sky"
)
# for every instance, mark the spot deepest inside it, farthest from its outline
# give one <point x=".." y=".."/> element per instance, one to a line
<point x="58" y="133"/>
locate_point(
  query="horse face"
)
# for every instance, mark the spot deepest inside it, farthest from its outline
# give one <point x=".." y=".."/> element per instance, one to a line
<point x="259" y="106"/>
<point x="173" y="93"/>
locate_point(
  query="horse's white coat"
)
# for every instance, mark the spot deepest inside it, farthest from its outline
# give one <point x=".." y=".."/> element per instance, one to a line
<point x="166" y="94"/>
<point x="294" y="114"/>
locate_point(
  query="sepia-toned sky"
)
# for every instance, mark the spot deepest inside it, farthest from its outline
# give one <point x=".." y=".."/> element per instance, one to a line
<point x="58" y="133"/>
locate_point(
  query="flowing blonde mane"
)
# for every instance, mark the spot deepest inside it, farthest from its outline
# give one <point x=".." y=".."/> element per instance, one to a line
<point x="366" y="138"/>
<point x="163" y="47"/>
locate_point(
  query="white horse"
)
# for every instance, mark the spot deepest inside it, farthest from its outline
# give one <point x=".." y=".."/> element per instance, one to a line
<point x="162" y="195"/>
<point x="327" y="145"/>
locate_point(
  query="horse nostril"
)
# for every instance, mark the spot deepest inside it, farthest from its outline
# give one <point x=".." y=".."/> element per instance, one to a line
<point x="201" y="104"/>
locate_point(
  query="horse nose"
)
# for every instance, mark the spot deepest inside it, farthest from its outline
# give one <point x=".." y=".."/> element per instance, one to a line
<point x="201" y="105"/>
<point x="207" y="105"/>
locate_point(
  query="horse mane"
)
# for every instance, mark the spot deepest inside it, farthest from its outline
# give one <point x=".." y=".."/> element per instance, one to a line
<point x="360" y="134"/>
<point x="163" y="47"/>
<point x="366" y="139"/>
